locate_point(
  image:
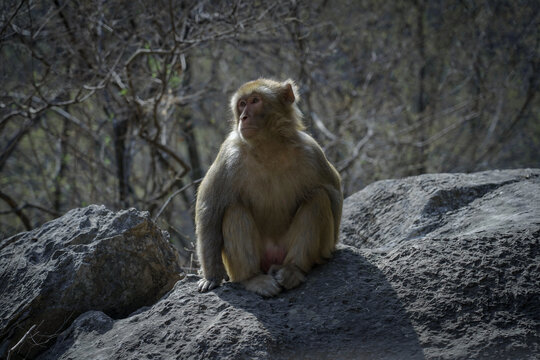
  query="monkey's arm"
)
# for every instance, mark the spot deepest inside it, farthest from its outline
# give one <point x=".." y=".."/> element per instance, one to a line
<point x="331" y="182"/>
<point x="313" y="232"/>
<point x="212" y="200"/>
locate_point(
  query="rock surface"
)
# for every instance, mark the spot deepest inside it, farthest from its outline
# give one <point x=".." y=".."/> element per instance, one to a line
<point x="462" y="253"/>
<point x="88" y="259"/>
<point x="346" y="310"/>
<point x="441" y="266"/>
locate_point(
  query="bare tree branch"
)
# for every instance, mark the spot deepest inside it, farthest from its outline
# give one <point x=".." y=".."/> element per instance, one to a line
<point x="13" y="205"/>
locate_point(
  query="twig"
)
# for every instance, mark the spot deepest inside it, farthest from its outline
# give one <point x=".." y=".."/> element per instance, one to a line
<point x="8" y="22"/>
<point x="356" y="152"/>
<point x="320" y="125"/>
<point x="168" y="151"/>
<point x="20" y="342"/>
<point x="17" y="210"/>
<point x="173" y="195"/>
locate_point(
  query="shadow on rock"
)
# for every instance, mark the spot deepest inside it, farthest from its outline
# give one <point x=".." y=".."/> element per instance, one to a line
<point x="345" y="310"/>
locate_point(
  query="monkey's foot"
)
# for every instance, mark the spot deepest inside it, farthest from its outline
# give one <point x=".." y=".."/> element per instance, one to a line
<point x="263" y="284"/>
<point x="288" y="276"/>
<point x="207" y="284"/>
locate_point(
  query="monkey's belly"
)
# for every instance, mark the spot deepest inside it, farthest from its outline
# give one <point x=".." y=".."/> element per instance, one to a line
<point x="273" y="255"/>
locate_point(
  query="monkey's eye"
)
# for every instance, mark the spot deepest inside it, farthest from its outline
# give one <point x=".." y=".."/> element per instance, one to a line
<point x="242" y="103"/>
<point x="255" y="100"/>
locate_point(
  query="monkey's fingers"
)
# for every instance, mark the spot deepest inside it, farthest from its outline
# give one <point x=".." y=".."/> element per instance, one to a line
<point x="289" y="276"/>
<point x="205" y="285"/>
<point x="274" y="269"/>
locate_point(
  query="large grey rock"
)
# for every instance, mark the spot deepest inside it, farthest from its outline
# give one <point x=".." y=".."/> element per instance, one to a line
<point x="389" y="213"/>
<point x="89" y="259"/>
<point x="462" y="253"/>
<point x="346" y="309"/>
<point x="444" y="266"/>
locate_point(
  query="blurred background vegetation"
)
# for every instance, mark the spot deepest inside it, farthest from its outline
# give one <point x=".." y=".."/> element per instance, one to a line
<point x="125" y="103"/>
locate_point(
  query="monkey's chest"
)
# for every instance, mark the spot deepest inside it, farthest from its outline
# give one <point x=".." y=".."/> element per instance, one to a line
<point x="273" y="197"/>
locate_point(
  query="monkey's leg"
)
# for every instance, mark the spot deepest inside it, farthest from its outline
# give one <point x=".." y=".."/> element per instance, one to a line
<point x="242" y="252"/>
<point x="309" y="240"/>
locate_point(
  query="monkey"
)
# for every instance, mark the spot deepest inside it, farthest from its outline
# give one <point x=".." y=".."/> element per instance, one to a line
<point x="269" y="207"/>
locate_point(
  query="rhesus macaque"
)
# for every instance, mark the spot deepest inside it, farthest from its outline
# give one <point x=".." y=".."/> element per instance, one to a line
<point x="270" y="205"/>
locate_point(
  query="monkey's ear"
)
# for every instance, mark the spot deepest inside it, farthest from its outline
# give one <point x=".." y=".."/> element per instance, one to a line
<point x="288" y="94"/>
<point x="289" y="91"/>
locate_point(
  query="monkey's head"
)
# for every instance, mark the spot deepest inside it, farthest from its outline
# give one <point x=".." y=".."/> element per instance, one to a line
<point x="266" y="107"/>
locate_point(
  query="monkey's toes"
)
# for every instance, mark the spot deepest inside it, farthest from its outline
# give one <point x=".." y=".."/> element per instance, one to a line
<point x="289" y="276"/>
<point x="205" y="285"/>
<point x="264" y="285"/>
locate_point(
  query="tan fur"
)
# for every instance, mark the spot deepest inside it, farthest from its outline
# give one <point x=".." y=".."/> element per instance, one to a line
<point x="274" y="196"/>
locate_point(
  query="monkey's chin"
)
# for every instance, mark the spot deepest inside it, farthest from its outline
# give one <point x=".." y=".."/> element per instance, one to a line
<point x="248" y="133"/>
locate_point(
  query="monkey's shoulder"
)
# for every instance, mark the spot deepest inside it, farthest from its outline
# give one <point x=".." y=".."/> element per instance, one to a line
<point x="313" y="151"/>
<point x="229" y="156"/>
<point x="301" y="156"/>
<point x="326" y="171"/>
<point x="309" y="145"/>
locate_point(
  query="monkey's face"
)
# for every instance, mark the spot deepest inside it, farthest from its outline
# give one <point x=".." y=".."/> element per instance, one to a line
<point x="251" y="119"/>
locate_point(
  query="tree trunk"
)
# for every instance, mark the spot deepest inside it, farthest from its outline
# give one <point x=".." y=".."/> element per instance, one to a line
<point x="120" y="128"/>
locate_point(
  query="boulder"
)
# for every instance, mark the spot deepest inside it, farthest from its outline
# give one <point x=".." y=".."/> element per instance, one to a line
<point x="441" y="266"/>
<point x="89" y="259"/>
<point x="345" y="310"/>
<point x="462" y="253"/>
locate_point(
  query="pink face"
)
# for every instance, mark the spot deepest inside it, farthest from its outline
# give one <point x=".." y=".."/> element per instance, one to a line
<point x="250" y="120"/>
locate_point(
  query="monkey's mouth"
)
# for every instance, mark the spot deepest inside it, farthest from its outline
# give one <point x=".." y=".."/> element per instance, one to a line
<point x="249" y="131"/>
